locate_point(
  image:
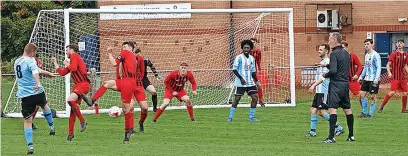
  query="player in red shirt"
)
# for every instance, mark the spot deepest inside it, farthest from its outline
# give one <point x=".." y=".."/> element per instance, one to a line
<point x="174" y="83"/>
<point x="397" y="62"/>
<point x="81" y="87"/>
<point x="129" y="74"/>
<point x="355" y="70"/>
<point x="256" y="53"/>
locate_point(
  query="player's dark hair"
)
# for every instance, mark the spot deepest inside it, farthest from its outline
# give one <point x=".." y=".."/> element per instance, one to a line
<point x="131" y="44"/>
<point x="73" y="47"/>
<point x="326" y="46"/>
<point x="138" y="51"/>
<point x="247" y="42"/>
<point x="401" y="40"/>
<point x="369" y="40"/>
<point x="344" y="43"/>
<point x="184" y="64"/>
<point x="254" y="39"/>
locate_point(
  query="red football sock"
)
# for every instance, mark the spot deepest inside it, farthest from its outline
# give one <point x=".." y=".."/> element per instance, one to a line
<point x="76" y="110"/>
<point x="260" y="94"/>
<point x="404" y="103"/>
<point x="71" y="122"/>
<point x="190" y="111"/>
<point x="99" y="93"/>
<point x="386" y="98"/>
<point x="132" y="120"/>
<point x="128" y="118"/>
<point x="143" y="116"/>
<point x="158" y="113"/>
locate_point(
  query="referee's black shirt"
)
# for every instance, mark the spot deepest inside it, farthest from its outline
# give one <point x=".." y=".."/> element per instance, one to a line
<point x="339" y="65"/>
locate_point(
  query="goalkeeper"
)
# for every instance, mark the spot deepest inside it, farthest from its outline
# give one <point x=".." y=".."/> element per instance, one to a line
<point x="147" y="85"/>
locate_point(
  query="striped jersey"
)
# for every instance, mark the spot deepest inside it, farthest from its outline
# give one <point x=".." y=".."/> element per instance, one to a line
<point x="324" y="86"/>
<point x="245" y="67"/>
<point x="372" y="67"/>
<point x="398" y="61"/>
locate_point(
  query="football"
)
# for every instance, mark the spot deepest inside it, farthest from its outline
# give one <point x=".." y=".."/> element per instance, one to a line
<point x="115" y="111"/>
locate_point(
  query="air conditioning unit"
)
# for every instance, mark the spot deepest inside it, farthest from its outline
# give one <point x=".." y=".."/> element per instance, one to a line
<point x="328" y="19"/>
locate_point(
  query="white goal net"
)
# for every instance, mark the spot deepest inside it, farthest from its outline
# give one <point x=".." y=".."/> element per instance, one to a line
<point x="207" y="39"/>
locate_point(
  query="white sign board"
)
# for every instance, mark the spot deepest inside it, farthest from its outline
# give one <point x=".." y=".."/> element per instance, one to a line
<point x="369" y="36"/>
<point x="160" y="7"/>
<point x="81" y="46"/>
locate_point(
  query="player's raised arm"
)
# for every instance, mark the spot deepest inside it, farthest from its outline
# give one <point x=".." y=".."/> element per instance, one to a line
<point x="153" y="68"/>
<point x="60" y="71"/>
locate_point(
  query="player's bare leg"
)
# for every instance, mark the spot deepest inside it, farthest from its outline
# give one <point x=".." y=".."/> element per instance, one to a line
<point x="161" y="109"/>
<point x="387" y="97"/>
<point x="29" y="134"/>
<point x="110" y="84"/>
<point x="189" y="105"/>
<point x="143" y="114"/>
<point x="153" y="92"/>
<point x="129" y="119"/>
<point x="72" y="101"/>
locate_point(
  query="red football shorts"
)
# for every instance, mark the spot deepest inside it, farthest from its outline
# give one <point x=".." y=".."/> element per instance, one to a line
<point x="400" y="85"/>
<point x="168" y="94"/>
<point x="354" y="87"/>
<point x="79" y="89"/>
<point x="128" y="89"/>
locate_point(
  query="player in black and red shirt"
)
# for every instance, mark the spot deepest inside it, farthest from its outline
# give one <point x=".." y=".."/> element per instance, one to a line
<point x="78" y="71"/>
<point x="174" y="83"/>
<point x="397" y="62"/>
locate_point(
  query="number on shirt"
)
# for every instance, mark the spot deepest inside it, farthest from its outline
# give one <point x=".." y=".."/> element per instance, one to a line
<point x="19" y="74"/>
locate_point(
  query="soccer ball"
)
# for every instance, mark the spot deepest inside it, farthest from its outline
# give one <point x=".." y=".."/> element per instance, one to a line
<point x="115" y="111"/>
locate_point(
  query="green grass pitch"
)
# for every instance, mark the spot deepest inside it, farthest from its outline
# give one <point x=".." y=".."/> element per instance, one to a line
<point x="280" y="132"/>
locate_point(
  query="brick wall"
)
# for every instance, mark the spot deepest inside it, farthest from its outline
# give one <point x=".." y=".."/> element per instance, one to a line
<point x="377" y="17"/>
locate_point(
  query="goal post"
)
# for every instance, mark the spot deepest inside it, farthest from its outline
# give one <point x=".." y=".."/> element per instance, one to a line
<point x="208" y="40"/>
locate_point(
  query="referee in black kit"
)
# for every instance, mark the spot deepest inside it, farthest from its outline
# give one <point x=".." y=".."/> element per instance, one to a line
<point x="338" y="87"/>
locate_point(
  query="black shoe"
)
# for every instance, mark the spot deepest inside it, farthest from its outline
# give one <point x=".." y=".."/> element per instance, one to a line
<point x="380" y="110"/>
<point x="127" y="136"/>
<point x="34" y="127"/>
<point x="154" y="109"/>
<point x="153" y="121"/>
<point x="132" y="132"/>
<point x="262" y="104"/>
<point x="52" y="131"/>
<point x="141" y="128"/>
<point x="83" y="126"/>
<point x="350" y="139"/>
<point x="362" y="115"/>
<point x="329" y="141"/>
<point x="70" y="137"/>
<point x="89" y="101"/>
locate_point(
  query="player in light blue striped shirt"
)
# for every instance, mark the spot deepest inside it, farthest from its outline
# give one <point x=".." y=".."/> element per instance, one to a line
<point x="322" y="88"/>
<point x="246" y="80"/>
<point x="31" y="92"/>
<point x="371" y="76"/>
